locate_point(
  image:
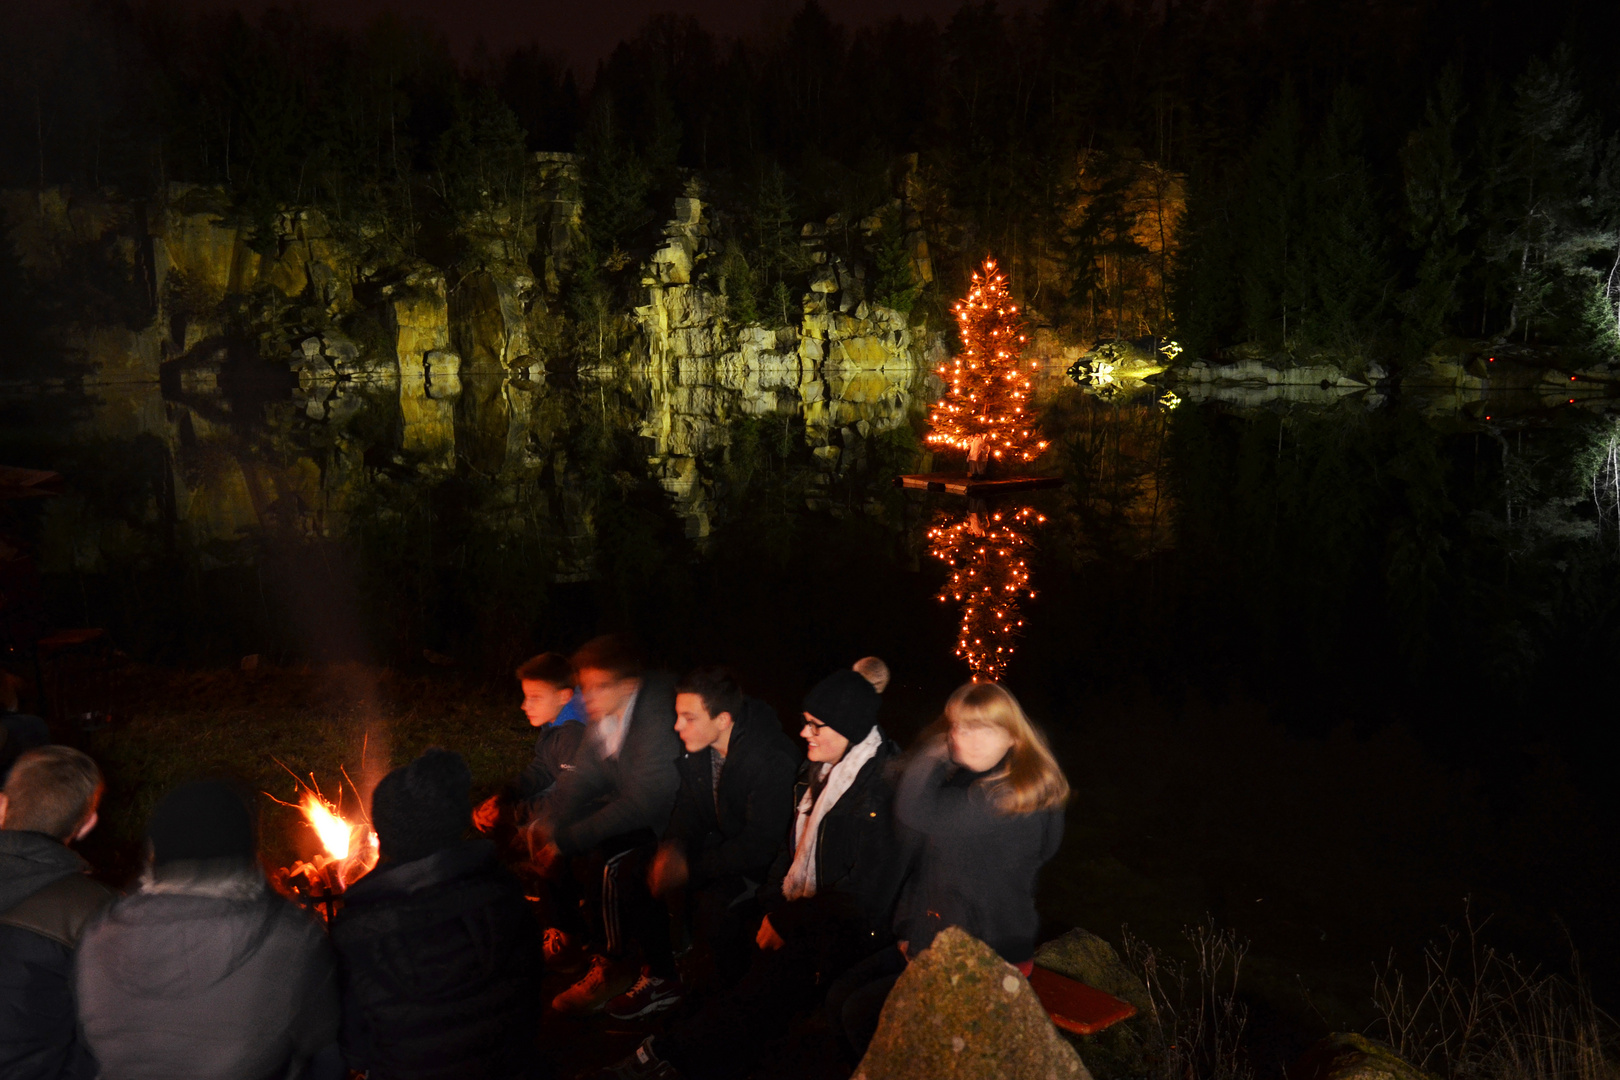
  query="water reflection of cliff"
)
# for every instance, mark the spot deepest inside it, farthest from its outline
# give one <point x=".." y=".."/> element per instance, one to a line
<point x="330" y="399"/>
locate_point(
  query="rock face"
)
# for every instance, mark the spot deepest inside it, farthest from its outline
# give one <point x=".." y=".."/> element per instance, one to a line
<point x="850" y="367"/>
<point x="960" y="1012"/>
<point x="1348" y="1056"/>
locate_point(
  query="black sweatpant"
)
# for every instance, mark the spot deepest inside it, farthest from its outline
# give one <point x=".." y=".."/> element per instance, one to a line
<point x="855" y="1000"/>
<point x="626" y="918"/>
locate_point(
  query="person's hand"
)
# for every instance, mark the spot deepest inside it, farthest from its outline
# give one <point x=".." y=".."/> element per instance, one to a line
<point x="546" y="858"/>
<point x="767" y="938"/>
<point x="487" y="814"/>
<point x="668" y="871"/>
<point x="905" y="950"/>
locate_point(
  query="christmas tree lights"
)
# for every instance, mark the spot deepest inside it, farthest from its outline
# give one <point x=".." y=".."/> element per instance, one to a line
<point x="985" y="549"/>
<point x="986" y="409"/>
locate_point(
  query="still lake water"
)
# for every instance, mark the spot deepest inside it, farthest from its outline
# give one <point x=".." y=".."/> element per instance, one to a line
<point x="1319" y="668"/>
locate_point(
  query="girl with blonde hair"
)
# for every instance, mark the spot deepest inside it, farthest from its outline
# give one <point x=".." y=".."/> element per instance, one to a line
<point x="982" y="797"/>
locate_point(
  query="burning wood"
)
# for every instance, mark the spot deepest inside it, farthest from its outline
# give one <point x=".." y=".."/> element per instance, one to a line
<point x="348" y="851"/>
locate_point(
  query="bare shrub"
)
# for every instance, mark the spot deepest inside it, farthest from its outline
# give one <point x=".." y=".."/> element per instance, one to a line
<point x="1478" y="1014"/>
<point x="1195" y="1028"/>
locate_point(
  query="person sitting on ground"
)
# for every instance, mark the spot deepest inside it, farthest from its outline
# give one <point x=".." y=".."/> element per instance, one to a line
<point x="829" y="898"/>
<point x="205" y="973"/>
<point x="608" y="812"/>
<point x="46" y="898"/>
<point x="550" y="704"/>
<point x="439" y="954"/>
<point x="985" y="795"/>
<point x="734" y="806"/>
<point x="874" y="671"/>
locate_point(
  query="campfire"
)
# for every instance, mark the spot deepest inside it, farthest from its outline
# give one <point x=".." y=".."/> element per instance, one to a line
<point x="348" y="850"/>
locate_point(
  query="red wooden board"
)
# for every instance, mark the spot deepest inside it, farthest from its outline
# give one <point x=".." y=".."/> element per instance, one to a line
<point x="1074" y="1006"/>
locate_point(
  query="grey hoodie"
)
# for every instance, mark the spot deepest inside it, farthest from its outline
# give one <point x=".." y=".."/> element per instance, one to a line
<point x="205" y="976"/>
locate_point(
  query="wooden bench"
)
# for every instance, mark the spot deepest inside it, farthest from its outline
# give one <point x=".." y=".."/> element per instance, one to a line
<point x="1074" y="1006"/>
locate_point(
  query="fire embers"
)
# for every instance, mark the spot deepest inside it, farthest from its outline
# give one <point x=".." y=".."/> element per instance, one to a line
<point x="986" y="549"/>
<point x="348" y="851"/>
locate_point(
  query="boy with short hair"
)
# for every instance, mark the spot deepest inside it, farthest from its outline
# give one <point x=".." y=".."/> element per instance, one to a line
<point x="46" y="899"/>
<point x="550" y="703"/>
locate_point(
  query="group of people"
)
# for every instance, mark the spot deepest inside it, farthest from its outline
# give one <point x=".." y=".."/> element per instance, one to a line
<point x="669" y="845"/>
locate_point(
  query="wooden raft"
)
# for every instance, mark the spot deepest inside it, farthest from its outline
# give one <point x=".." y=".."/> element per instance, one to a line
<point x="1074" y="1006"/>
<point x="956" y="483"/>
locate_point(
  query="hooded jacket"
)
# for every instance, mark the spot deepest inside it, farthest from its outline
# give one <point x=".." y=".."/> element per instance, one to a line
<point x="861" y="860"/>
<point x="736" y="833"/>
<point x="205" y="975"/>
<point x="441" y="966"/>
<point x="46" y="897"/>
<point x="602" y="797"/>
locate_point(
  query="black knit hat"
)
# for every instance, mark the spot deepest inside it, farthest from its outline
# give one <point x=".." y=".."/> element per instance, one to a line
<point x="205" y="819"/>
<point x="423" y="807"/>
<point x="845" y="702"/>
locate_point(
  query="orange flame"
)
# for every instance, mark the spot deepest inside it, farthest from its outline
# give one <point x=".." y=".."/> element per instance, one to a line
<point x="336" y="835"/>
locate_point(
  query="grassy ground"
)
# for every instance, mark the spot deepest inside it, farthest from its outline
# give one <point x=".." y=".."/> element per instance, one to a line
<point x="177" y="725"/>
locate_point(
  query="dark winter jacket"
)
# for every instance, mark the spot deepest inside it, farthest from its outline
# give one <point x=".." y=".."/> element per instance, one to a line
<point x="46" y="898"/>
<point x="861" y="861"/>
<point x="441" y="964"/>
<point x="635" y="790"/>
<point x="738" y="838"/>
<point x="975" y="867"/>
<point x="554" y="750"/>
<point x="204" y="975"/>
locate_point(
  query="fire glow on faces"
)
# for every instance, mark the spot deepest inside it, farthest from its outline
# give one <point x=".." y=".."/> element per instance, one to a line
<point x="697" y="729"/>
<point x="605" y="693"/>
<point x="542" y="701"/>
<point x="822" y="743"/>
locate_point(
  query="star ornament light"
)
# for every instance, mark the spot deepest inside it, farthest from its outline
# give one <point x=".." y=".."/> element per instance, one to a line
<point x="986" y="407"/>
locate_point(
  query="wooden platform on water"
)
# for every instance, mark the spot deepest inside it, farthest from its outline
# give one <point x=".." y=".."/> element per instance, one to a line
<point x="956" y="483"/>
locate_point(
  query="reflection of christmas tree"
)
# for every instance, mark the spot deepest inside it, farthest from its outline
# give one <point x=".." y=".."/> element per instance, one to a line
<point x="986" y="408"/>
<point x="985" y="549"/>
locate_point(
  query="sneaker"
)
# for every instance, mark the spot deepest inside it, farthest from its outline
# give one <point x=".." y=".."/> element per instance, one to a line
<point x="644" y="1064"/>
<point x="605" y="981"/>
<point x="564" y="954"/>
<point x="649" y="994"/>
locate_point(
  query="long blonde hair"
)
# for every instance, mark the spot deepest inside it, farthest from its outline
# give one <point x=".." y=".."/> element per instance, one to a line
<point x="1030" y="780"/>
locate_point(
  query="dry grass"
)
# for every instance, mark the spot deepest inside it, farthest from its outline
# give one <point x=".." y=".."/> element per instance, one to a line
<point x="1196" y="1028"/>
<point x="1478" y="1014"/>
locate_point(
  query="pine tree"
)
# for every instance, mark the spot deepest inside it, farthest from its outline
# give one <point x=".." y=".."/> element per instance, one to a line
<point x="1341" y="276"/>
<point x="985" y="410"/>
<point x="1268" y="227"/>
<point x="1436" y="194"/>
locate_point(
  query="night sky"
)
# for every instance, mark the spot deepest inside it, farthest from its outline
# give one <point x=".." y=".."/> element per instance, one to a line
<point x="584" y="32"/>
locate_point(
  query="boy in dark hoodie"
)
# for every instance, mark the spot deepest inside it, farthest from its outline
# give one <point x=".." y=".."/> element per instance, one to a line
<point x="552" y="706"/>
<point x="439" y="953"/>
<point x="46" y="898"/>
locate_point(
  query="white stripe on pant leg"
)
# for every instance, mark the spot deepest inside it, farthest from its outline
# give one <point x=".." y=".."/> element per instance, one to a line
<point x="611" y="922"/>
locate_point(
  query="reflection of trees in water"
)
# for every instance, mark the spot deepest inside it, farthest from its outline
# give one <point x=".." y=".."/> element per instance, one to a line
<point x="987" y="548"/>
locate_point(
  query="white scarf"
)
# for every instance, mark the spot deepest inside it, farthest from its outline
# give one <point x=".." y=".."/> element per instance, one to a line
<point x="801" y="876"/>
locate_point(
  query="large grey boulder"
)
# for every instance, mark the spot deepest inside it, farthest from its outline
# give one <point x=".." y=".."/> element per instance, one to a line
<point x="960" y="1012"/>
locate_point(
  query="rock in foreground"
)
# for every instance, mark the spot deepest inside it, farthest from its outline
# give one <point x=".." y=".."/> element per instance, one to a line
<point x="960" y="1012"/>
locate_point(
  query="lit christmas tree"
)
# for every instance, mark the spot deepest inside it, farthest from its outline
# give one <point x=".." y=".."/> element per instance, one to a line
<point x="985" y="549"/>
<point x="986" y="409"/>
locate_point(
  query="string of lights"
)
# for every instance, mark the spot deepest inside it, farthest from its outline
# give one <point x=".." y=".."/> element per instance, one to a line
<point x="986" y="408"/>
<point x="989" y="578"/>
